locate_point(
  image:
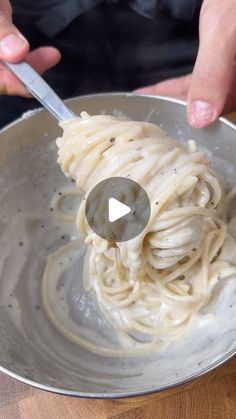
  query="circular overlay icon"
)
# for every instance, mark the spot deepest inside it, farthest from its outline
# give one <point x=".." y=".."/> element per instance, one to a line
<point x="117" y="209"/>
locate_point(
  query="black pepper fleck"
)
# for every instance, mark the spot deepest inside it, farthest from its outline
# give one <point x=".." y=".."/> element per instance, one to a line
<point x="59" y="193"/>
<point x="156" y="203"/>
<point x="9" y="305"/>
<point x="11" y="295"/>
<point x="62" y="237"/>
<point x="131" y="139"/>
<point x="112" y="140"/>
<point x="72" y="180"/>
<point x="51" y="209"/>
<point x="20" y="244"/>
<point x="37" y="307"/>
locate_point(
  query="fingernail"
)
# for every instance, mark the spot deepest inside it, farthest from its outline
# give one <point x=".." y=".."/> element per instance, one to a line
<point x="200" y="113"/>
<point x="11" y="44"/>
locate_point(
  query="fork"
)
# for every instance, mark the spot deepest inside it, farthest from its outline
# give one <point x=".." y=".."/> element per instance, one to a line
<point x="38" y="87"/>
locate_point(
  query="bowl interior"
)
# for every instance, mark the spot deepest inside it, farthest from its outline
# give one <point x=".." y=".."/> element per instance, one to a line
<point x="31" y="347"/>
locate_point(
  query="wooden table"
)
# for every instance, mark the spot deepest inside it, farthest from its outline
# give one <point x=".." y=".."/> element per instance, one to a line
<point x="212" y="396"/>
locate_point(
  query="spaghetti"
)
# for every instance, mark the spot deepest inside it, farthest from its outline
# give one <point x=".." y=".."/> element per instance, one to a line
<point x="151" y="287"/>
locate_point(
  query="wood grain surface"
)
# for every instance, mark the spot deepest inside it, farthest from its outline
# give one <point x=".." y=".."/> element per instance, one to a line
<point x="212" y="396"/>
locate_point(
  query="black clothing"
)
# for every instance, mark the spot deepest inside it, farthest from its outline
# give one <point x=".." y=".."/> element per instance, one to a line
<point x="111" y="45"/>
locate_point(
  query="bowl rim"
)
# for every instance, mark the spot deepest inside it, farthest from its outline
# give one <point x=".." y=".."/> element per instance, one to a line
<point x="124" y="394"/>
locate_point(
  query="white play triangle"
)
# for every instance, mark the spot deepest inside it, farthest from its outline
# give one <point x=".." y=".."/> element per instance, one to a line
<point x="116" y="210"/>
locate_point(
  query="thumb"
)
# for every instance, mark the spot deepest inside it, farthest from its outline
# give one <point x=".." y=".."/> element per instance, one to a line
<point x="213" y="69"/>
<point x="13" y="45"/>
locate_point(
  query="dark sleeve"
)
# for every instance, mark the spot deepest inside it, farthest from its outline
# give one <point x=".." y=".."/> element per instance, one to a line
<point x="180" y="9"/>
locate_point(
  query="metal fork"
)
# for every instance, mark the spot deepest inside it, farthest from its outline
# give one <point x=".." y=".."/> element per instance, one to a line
<point x="37" y="86"/>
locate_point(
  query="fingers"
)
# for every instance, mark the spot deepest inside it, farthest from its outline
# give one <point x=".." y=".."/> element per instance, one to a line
<point x="213" y="71"/>
<point x="9" y="85"/>
<point x="5" y="7"/>
<point x="42" y="59"/>
<point x="177" y="87"/>
<point x="13" y="45"/>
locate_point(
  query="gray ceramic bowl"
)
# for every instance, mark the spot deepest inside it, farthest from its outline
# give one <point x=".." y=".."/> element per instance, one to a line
<point x="32" y="349"/>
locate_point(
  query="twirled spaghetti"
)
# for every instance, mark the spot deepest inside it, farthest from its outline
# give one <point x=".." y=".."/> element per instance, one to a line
<point x="150" y="287"/>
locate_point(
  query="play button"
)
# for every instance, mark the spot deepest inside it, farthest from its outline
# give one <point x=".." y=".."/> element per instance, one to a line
<point x="117" y="209"/>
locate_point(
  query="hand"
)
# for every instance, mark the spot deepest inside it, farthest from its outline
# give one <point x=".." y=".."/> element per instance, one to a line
<point x="211" y="89"/>
<point x="14" y="47"/>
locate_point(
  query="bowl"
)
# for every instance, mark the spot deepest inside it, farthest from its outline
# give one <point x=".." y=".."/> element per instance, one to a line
<point x="32" y="348"/>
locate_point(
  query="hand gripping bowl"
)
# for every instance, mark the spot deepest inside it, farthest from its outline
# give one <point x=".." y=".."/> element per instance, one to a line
<point x="32" y="349"/>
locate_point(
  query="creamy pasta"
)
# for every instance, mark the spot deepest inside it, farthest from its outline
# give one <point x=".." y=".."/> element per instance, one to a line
<point x="151" y="287"/>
